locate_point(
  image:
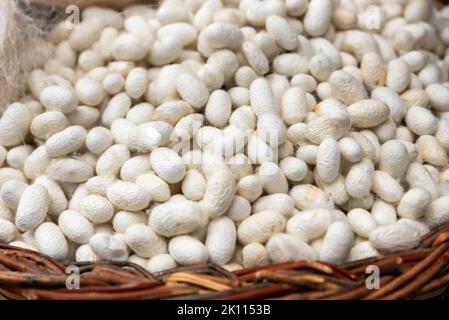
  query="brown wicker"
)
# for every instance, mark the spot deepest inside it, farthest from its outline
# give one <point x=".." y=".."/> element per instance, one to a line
<point x="422" y="273"/>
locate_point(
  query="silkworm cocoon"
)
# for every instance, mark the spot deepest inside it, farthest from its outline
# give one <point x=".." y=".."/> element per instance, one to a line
<point x="414" y="203"/>
<point x="218" y="108"/>
<point x="373" y="70"/>
<point x="136" y="83"/>
<point x="121" y="130"/>
<point x="386" y="130"/>
<point x="383" y="212"/>
<point x="328" y="160"/>
<point x="58" y="200"/>
<point x="167" y="164"/>
<point x="123" y="219"/>
<point x="294" y="105"/>
<point x="135" y="167"/>
<point x="442" y="134"/>
<point x="192" y="90"/>
<point x="129" y="47"/>
<point x="7" y="214"/>
<point x="221" y="35"/>
<point x="3" y="153"/>
<point x="438" y="95"/>
<point x="273" y="179"/>
<point x="361" y="222"/>
<point x="254" y="255"/>
<point x="250" y="187"/>
<point x="48" y="123"/>
<point x="308" y="196"/>
<point x="394" y="158"/>
<point x="212" y="76"/>
<point x="271" y="129"/>
<point x="394" y="102"/>
<point x="304" y="81"/>
<point x="140" y="113"/>
<point x="7" y="174"/>
<point x="418" y="176"/>
<point x="89" y="91"/>
<point x="285" y="248"/>
<point x="164" y="51"/>
<point x="157" y="188"/>
<point x="293" y="168"/>
<point x="11" y="192"/>
<point x="144" y="241"/>
<point x="146" y="137"/>
<point x="240" y="166"/>
<point x="282" y="32"/>
<point x="98" y="140"/>
<point x="136" y="259"/>
<point x="395" y="237"/>
<point x="85" y="253"/>
<point x="368" y="113"/>
<point x="51" y="241"/>
<point x="96" y="208"/>
<point x="59" y="98"/>
<point x="256" y="59"/>
<point x="113" y="83"/>
<point x="335" y="189"/>
<point x="226" y="60"/>
<point x="69" y="170"/>
<point x="327" y="126"/>
<point x="175" y="218"/>
<point x="87" y="33"/>
<point x="84" y="116"/>
<point x="260" y="226"/>
<point x="261" y="97"/>
<point x="220" y="191"/>
<point x="362" y="250"/>
<point x="36" y="163"/>
<point x="239" y="210"/>
<point x="17" y="156"/>
<point x="350" y="149"/>
<point x="386" y="187"/>
<point x="310" y="224"/>
<point x="318" y="17"/>
<point x="128" y="196"/>
<point x="360" y="178"/>
<point x="75" y="226"/>
<point x="239" y="96"/>
<point x="117" y="108"/>
<point x="337" y="243"/>
<point x="187" y="250"/>
<point x="32" y="208"/>
<point x="438" y="212"/>
<point x="431" y="151"/>
<point x="160" y="262"/>
<point x="279" y="202"/>
<point x="180" y="30"/>
<point x="358" y="43"/>
<point x="220" y="240"/>
<point x="8" y="231"/>
<point x="14" y="124"/>
<point x="66" y="141"/>
<point x="108" y="247"/>
<point x="307" y="153"/>
<point x="398" y="75"/>
<point x="193" y="185"/>
<point x="111" y="160"/>
<point x="415" y="97"/>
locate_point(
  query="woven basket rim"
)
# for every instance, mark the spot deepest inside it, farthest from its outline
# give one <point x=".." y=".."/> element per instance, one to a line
<point x="420" y="273"/>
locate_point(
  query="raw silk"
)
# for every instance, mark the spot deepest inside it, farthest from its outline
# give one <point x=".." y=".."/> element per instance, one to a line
<point x="23" y="25"/>
<point x="22" y="48"/>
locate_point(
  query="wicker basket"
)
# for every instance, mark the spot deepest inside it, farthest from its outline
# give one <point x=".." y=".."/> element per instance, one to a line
<point x="422" y="273"/>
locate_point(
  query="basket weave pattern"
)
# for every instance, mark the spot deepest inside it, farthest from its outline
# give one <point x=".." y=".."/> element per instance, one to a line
<point x="421" y="273"/>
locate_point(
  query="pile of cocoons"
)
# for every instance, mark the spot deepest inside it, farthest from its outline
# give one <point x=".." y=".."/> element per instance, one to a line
<point x="242" y="133"/>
